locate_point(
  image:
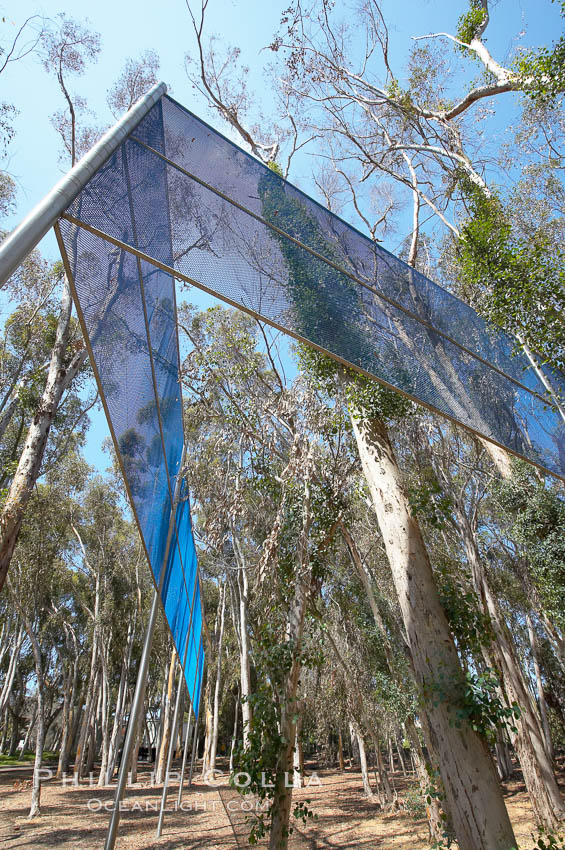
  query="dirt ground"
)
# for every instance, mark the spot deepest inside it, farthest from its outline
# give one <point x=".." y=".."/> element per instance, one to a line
<point x="77" y="817"/>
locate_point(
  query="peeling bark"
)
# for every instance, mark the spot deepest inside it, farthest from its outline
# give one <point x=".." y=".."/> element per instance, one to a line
<point x="474" y="796"/>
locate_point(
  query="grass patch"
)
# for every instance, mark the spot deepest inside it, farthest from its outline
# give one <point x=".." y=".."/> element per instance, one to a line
<point x="26" y="758"/>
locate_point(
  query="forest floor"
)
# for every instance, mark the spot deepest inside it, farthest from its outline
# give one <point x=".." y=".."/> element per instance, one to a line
<point x="77" y="816"/>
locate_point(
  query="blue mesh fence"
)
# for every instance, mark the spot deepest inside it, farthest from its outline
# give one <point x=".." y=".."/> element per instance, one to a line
<point x="128" y="311"/>
<point x="185" y="197"/>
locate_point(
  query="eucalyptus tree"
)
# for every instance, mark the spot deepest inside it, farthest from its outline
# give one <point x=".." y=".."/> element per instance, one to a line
<point x="24" y="39"/>
<point x="67" y="51"/>
<point x="39" y="589"/>
<point x="268" y="465"/>
<point x="476" y="796"/>
<point x="455" y="487"/>
<point x="403" y="133"/>
<point x="68" y="46"/>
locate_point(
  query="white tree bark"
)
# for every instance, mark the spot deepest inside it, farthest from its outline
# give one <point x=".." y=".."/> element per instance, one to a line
<point x="243" y="631"/>
<point x="167" y="721"/>
<point x="120" y="706"/>
<point x="528" y="741"/>
<point x="59" y="378"/>
<point x="355" y="732"/>
<point x="539" y="686"/>
<point x="218" y="685"/>
<point x="469" y="777"/>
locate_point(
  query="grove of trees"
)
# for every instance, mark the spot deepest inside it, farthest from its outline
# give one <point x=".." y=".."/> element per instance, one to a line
<point x="379" y="584"/>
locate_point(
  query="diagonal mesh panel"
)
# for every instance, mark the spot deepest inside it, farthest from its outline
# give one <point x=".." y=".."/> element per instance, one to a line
<point x="187" y="198"/>
<point x="128" y="312"/>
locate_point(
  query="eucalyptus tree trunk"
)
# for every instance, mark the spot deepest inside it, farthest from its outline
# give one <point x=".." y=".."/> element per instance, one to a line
<point x="161" y="726"/>
<point x="400" y="755"/>
<point x="356" y="735"/>
<point x="4" y="725"/>
<point x="59" y="378"/>
<point x="234" y="732"/>
<point x="528" y="740"/>
<point x="208" y="721"/>
<point x="167" y="720"/>
<point x="70" y="686"/>
<point x="472" y="789"/>
<point x="28" y="734"/>
<point x="35" y="808"/>
<point x="104" y="717"/>
<point x="504" y="762"/>
<point x="384" y="782"/>
<point x="120" y="707"/>
<point x="15" y="646"/>
<point x="539" y="686"/>
<point x="340" y="750"/>
<point x="556" y="638"/>
<point x="91" y="686"/>
<point x="282" y="795"/>
<point x="208" y="698"/>
<point x="218" y="685"/>
<point x="424" y="767"/>
<point x="390" y="753"/>
<point x="91" y="748"/>
<point x="298" y="760"/>
<point x="139" y="735"/>
<point x="243" y="635"/>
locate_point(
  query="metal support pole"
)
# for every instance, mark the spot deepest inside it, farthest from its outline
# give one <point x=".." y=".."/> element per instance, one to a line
<point x="129" y="742"/>
<point x="170" y="753"/>
<point x="15" y="247"/>
<point x="184" y="755"/>
<point x="137" y="702"/>
<point x="175" y="721"/>
<point x="193" y="752"/>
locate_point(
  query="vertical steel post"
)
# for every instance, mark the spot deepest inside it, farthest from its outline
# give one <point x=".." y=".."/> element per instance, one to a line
<point x="136" y="707"/>
<point x="137" y="702"/>
<point x="196" y="716"/>
<point x="184" y="755"/>
<point x="194" y="742"/>
<point x="175" y="722"/>
<point x="172" y="741"/>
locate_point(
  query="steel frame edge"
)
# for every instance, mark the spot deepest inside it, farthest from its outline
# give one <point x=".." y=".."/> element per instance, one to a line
<point x="24" y="238"/>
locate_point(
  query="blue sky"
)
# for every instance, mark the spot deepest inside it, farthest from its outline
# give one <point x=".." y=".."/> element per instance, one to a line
<point x="128" y="28"/>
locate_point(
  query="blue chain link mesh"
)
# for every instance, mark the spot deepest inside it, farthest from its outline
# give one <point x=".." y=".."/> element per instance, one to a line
<point x="128" y="311"/>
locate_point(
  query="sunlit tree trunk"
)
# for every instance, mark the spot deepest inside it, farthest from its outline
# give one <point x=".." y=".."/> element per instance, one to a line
<point x="434" y="812"/>
<point x="120" y="706"/>
<point x="104" y="717"/>
<point x="208" y="721"/>
<point x="298" y="758"/>
<point x="167" y="720"/>
<point x="355" y="732"/>
<point x="218" y="685"/>
<point x="473" y="792"/>
<point x="539" y="686"/>
<point x="401" y="758"/>
<point x="70" y="685"/>
<point x="234" y="732"/>
<point x="528" y="740"/>
<point x="59" y="378"/>
<point x="15" y="649"/>
<point x="243" y="633"/>
<point x="91" y="686"/>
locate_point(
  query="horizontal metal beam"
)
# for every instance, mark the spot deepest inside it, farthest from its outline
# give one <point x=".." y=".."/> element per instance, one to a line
<point x="21" y="241"/>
